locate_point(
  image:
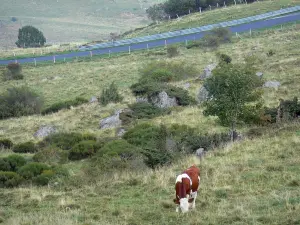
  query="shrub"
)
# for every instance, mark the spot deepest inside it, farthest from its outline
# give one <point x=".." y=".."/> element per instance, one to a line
<point x="14" y="19"/>
<point x="173" y="71"/>
<point x="64" y="105"/>
<point x="32" y="170"/>
<point x="224" y="58"/>
<point x="9" y="179"/>
<point x="156" y="12"/>
<point x="30" y="36"/>
<point x="222" y="33"/>
<point x="152" y="140"/>
<point x="4" y="165"/>
<point x="210" y="41"/>
<point x="44" y="178"/>
<point x="84" y="149"/>
<point x="15" y="162"/>
<point x="6" y="143"/>
<point x="27" y="147"/>
<point x="194" y="44"/>
<point x="19" y="101"/>
<point x="145" y="110"/>
<point x="13" y="72"/>
<point x="64" y="140"/>
<point x="270" y="53"/>
<point x="172" y="51"/>
<point x="51" y="155"/>
<point x="110" y="94"/>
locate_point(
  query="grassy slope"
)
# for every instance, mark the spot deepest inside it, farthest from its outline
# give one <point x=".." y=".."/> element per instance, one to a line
<point x="251" y="182"/>
<point x="214" y="16"/>
<point x="67" y="81"/>
<point x="71" y="20"/>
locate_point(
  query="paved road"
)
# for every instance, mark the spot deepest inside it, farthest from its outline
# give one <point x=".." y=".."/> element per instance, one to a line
<point x="152" y="44"/>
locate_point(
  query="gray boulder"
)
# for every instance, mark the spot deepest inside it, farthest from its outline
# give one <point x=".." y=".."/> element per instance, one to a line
<point x="260" y="74"/>
<point x="120" y="132"/>
<point x="141" y="99"/>
<point x="111" y="121"/>
<point x="171" y="145"/>
<point x="162" y="100"/>
<point x="202" y="95"/>
<point x="93" y="99"/>
<point x="272" y="84"/>
<point x="207" y="71"/>
<point x="200" y="152"/>
<point x="44" y="131"/>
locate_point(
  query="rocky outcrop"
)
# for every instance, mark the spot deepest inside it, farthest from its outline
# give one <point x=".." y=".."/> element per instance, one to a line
<point x="162" y="100"/>
<point x="45" y="131"/>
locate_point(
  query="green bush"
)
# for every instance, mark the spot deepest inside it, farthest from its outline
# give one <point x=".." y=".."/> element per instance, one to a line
<point x="27" y="147"/>
<point x="224" y="58"/>
<point x="110" y="94"/>
<point x="64" y="105"/>
<point x="13" y="72"/>
<point x="4" y="165"/>
<point x="145" y="110"/>
<point x="151" y="89"/>
<point x="84" y="149"/>
<point x="44" y="178"/>
<point x="32" y="170"/>
<point x="15" y="162"/>
<point x="222" y="33"/>
<point x="51" y="154"/>
<point x="152" y="140"/>
<point x="19" y="101"/>
<point x="164" y="71"/>
<point x="172" y="51"/>
<point x="30" y="36"/>
<point x="210" y="41"/>
<point x="6" y="143"/>
<point x="64" y="140"/>
<point x="9" y="179"/>
<point x="194" y="44"/>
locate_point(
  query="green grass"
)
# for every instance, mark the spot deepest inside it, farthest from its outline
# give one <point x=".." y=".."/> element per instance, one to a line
<point x="214" y="16"/>
<point x="251" y="182"/>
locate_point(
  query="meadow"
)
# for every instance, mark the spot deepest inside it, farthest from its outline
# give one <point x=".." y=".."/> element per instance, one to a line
<point x="253" y="181"/>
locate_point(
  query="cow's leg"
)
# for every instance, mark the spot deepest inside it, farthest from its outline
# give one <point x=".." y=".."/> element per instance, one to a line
<point x="194" y="201"/>
<point x="177" y="208"/>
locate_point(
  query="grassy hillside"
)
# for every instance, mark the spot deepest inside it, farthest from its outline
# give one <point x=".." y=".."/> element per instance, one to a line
<point x="214" y="16"/>
<point x="71" y="20"/>
<point x="251" y="182"/>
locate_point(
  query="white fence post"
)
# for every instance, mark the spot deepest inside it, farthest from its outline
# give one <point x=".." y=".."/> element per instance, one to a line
<point x="129" y="50"/>
<point x="54" y="59"/>
<point x="34" y="62"/>
<point x="165" y="43"/>
<point x="200" y="9"/>
<point x="91" y="54"/>
<point x="147" y="46"/>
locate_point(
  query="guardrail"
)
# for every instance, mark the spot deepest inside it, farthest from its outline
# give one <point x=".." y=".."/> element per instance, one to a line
<point x="191" y="30"/>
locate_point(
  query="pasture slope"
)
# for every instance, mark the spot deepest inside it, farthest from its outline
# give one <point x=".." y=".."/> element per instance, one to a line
<point x="255" y="181"/>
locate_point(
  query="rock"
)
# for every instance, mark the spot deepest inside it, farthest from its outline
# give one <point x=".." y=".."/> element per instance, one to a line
<point x="45" y="131"/>
<point x="259" y="74"/>
<point x="164" y="101"/>
<point x="141" y="99"/>
<point x="112" y="121"/>
<point x="200" y="153"/>
<point x="202" y="95"/>
<point x="207" y="71"/>
<point x="274" y="84"/>
<point x="120" y="132"/>
<point x="93" y="99"/>
<point x="186" y="85"/>
<point x="171" y="145"/>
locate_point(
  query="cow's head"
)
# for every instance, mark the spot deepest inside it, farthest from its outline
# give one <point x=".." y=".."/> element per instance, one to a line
<point x="181" y="198"/>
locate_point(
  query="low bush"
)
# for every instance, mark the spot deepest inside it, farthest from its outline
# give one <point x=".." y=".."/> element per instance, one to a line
<point x="32" y="170"/>
<point x="15" y="162"/>
<point x="4" y="165"/>
<point x="9" y="179"/>
<point x="172" y="51"/>
<point x="65" y="140"/>
<point x="44" y="178"/>
<point x="224" y="58"/>
<point x="194" y="44"/>
<point x="19" y="101"/>
<point x="210" y="41"/>
<point x="13" y="72"/>
<point x="51" y="155"/>
<point x="84" y="149"/>
<point x="145" y="110"/>
<point x="110" y="94"/>
<point x="27" y="147"/>
<point x="6" y="143"/>
<point x="151" y="89"/>
<point x="64" y="105"/>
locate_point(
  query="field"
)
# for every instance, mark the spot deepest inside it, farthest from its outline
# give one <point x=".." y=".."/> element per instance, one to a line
<point x="68" y="21"/>
<point x="253" y="181"/>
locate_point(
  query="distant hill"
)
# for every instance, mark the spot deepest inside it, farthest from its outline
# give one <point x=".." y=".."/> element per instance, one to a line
<point x="71" y="20"/>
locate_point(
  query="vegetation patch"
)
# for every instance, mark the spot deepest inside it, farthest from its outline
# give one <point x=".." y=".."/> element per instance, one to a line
<point x="110" y="94"/>
<point x="84" y="149"/>
<point x="27" y="147"/>
<point x="6" y="143"/>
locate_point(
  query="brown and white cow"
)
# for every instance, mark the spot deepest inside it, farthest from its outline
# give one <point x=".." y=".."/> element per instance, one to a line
<point x="186" y="187"/>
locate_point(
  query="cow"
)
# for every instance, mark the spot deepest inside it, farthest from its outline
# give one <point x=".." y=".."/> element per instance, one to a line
<point x="186" y="187"/>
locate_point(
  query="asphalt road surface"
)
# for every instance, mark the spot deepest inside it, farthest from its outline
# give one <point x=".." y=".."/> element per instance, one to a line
<point x="152" y="44"/>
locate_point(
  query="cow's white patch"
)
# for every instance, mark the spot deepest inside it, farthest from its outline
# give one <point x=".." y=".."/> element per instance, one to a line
<point x="193" y="194"/>
<point x="184" y="175"/>
<point x="184" y="205"/>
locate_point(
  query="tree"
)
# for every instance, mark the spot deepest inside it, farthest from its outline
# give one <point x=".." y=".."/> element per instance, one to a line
<point x="156" y="12"/>
<point x="30" y="36"/>
<point x="179" y="7"/>
<point x="234" y="93"/>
